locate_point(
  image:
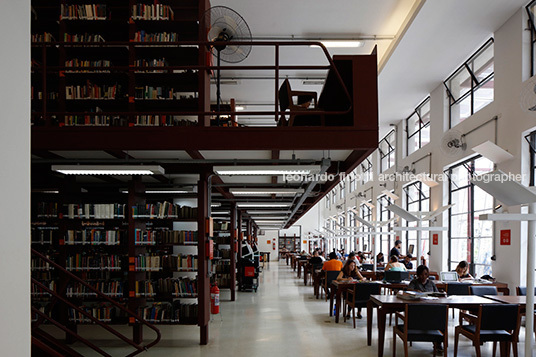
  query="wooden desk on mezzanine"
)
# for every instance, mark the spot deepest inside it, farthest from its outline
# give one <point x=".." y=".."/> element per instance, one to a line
<point x="388" y="304"/>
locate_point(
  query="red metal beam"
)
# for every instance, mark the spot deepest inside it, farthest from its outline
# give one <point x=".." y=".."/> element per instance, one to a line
<point x="196" y="155"/>
<point x="203" y="138"/>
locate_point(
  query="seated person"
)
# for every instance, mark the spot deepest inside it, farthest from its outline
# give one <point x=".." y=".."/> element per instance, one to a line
<point x="333" y="263"/>
<point x="423" y="284"/>
<point x="396" y="249"/>
<point x="353" y="257"/>
<point x="463" y="271"/>
<point x="394" y="265"/>
<point x="407" y="262"/>
<point x="348" y="273"/>
<point x="316" y="259"/>
<point x="380" y="258"/>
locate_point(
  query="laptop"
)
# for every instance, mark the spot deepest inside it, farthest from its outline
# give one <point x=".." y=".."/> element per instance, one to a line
<point x="395" y="276"/>
<point x="448" y="276"/>
<point x="367" y="266"/>
<point x="411" y="248"/>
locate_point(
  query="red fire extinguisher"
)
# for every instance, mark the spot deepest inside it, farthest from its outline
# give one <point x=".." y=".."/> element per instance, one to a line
<point x="215" y="300"/>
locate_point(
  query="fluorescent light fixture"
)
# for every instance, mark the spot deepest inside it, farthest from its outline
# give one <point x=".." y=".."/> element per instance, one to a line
<point x="168" y="191"/>
<point x="215" y="204"/>
<point x="44" y="190"/>
<point x="438" y="211"/>
<point x="270" y="170"/>
<point x="499" y="185"/>
<point x="493" y="152"/>
<point x="342" y="43"/>
<point x="263" y="204"/>
<point x="313" y="82"/>
<point x="364" y="222"/>
<point x="220" y="213"/>
<point x="239" y="108"/>
<point x="390" y="194"/>
<point x="367" y="203"/>
<point x="109" y="169"/>
<point x="279" y="217"/>
<point x="402" y="213"/>
<point x="276" y="212"/>
<point x="266" y="191"/>
<point x="427" y="180"/>
<point x="270" y="222"/>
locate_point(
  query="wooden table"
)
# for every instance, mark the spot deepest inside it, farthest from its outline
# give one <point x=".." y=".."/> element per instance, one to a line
<point x="510" y="299"/>
<point x="388" y="304"/>
<point x="301" y="263"/>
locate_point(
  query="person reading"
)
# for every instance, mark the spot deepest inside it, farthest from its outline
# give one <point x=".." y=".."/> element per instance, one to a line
<point x="348" y="273"/>
<point x="407" y="262"/>
<point x="463" y="271"/>
<point x="333" y="263"/>
<point x="394" y="265"/>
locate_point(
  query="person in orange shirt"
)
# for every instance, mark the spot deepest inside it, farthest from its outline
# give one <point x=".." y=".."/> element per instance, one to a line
<point x="333" y="264"/>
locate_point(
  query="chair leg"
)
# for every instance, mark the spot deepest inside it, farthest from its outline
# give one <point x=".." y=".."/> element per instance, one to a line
<point x="494" y="348"/>
<point x="353" y="316"/>
<point x="456" y="337"/>
<point x="514" y="348"/>
<point x="394" y="342"/>
<point x="477" y="349"/>
<point x="406" y="349"/>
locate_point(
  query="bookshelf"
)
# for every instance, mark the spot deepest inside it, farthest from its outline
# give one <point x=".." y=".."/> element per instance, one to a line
<point x="101" y="63"/>
<point x="222" y="262"/>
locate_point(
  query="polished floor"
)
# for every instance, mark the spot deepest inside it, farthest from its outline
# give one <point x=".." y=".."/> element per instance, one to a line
<point x="281" y="319"/>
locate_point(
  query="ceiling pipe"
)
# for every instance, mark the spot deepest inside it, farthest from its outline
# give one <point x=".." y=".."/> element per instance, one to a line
<point x="175" y="161"/>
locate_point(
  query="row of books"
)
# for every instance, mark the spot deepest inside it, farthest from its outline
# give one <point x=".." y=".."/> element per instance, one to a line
<point x="164" y="236"/>
<point x="81" y="262"/>
<point x="92" y="91"/>
<point x="112" y="288"/>
<point x="169" y="262"/>
<point x="223" y="281"/>
<point x="142" y="36"/>
<point x="164" y="312"/>
<point x="97" y="211"/>
<point x="152" y="12"/>
<point x="222" y="267"/>
<point x="83" y="12"/>
<point x="35" y="94"/>
<point x="94" y="237"/>
<point x="163" y="120"/>
<point x="39" y="264"/>
<point x="47" y="210"/>
<point x="44" y="37"/>
<point x="44" y="235"/>
<point x="76" y="62"/>
<point x="82" y="37"/>
<point x="158" y="210"/>
<point x="38" y="292"/>
<point x="93" y="120"/>
<point x="170" y="286"/>
<point x="162" y="62"/>
<point x="101" y="312"/>
<point x="149" y="92"/>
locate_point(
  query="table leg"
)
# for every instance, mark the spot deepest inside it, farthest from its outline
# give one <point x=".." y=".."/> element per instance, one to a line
<point x="337" y="306"/>
<point x="370" y="311"/>
<point x="305" y="271"/>
<point x="330" y="302"/>
<point x="381" y="330"/>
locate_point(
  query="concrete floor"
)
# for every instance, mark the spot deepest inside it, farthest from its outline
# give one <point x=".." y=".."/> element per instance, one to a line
<point x="281" y="319"/>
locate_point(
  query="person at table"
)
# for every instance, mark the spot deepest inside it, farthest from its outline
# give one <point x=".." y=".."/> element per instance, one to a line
<point x="421" y="282"/>
<point x="353" y="257"/>
<point x="316" y="259"/>
<point x="395" y="265"/>
<point x="463" y="271"/>
<point x="380" y="258"/>
<point x="333" y="264"/>
<point x="407" y="262"/>
<point x="396" y="249"/>
<point x="348" y="273"/>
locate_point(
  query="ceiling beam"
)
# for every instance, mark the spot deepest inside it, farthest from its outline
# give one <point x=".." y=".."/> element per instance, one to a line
<point x="196" y="155"/>
<point x="45" y="154"/>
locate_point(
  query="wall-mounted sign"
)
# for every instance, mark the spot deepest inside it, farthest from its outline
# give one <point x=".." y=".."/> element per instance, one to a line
<point x="505" y="237"/>
<point x="268" y="241"/>
<point x="435" y="239"/>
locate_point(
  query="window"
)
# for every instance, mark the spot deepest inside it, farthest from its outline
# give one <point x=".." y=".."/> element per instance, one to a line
<point x="353" y="185"/>
<point x="531" y="10"/>
<point x="351" y="223"/>
<point x="418" y="127"/>
<point x="366" y="170"/>
<point x="417" y="200"/>
<point x="531" y="138"/>
<point x="334" y="195"/>
<point x="327" y="200"/>
<point x="469" y="238"/>
<point x="342" y="187"/>
<point x="366" y="214"/>
<point x="387" y="151"/>
<point x="470" y="88"/>
<point x="386" y="241"/>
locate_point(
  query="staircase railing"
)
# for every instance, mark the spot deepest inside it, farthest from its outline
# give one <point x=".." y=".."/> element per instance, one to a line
<point x="57" y="296"/>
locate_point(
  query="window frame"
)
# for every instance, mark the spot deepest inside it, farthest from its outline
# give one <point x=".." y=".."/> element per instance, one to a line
<point x="422" y="126"/>
<point x="475" y="82"/>
<point x="385" y="215"/>
<point x="420" y="201"/>
<point x="532" y="28"/>
<point x="366" y="214"/>
<point x="385" y="157"/>
<point x="366" y="170"/>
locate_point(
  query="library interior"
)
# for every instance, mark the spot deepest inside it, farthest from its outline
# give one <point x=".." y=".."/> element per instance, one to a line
<point x="296" y="177"/>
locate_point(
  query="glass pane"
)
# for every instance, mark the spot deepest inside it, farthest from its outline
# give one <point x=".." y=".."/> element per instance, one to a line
<point x="482" y="270"/>
<point x="425" y="135"/>
<point x="459" y="177"/>
<point x="483" y="95"/>
<point x="459" y="226"/>
<point x="483" y="252"/>
<point x="413" y="124"/>
<point x="483" y="201"/>
<point x="460" y="111"/>
<point x="460" y="199"/>
<point x="460" y="249"/>
<point x="460" y="83"/>
<point x="483" y="165"/>
<point x="424" y="111"/>
<point x="413" y="143"/>
<point x="482" y="228"/>
<point x="482" y="65"/>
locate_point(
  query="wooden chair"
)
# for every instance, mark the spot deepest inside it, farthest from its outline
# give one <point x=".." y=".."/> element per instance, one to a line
<point x="286" y="101"/>
<point x="522" y="291"/>
<point x="359" y="296"/>
<point x="329" y="276"/>
<point x="481" y="290"/>
<point x="457" y="289"/>
<point x="424" y="323"/>
<point x="494" y="322"/>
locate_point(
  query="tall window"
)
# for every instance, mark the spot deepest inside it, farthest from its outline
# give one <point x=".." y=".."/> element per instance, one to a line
<point x="531" y="10"/>
<point x="418" y="127"/>
<point x="352" y="180"/>
<point x="328" y="200"/>
<point x="417" y="200"/>
<point x="351" y="223"/>
<point x="366" y="214"/>
<point x="470" y="87"/>
<point x="342" y="187"/>
<point x="334" y="195"/>
<point x="386" y="241"/>
<point x="366" y="171"/>
<point x="387" y="151"/>
<point x="531" y="138"/>
<point x="469" y="238"/>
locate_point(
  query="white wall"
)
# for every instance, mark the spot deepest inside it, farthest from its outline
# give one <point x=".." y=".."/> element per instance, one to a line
<point x="511" y="69"/>
<point x="265" y="247"/>
<point x="15" y="177"/>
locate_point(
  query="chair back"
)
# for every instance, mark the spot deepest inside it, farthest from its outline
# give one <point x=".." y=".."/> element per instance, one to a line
<point x="395" y="276"/>
<point x="330" y="276"/>
<point x="457" y="288"/>
<point x="317" y="266"/>
<point x="499" y="317"/>
<point x="522" y="291"/>
<point x="367" y="266"/>
<point x="284" y="96"/>
<point x="483" y="290"/>
<point x="364" y="290"/>
<point x="426" y="317"/>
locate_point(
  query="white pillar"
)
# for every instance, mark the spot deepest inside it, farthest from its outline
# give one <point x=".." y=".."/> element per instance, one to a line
<point x="529" y="324"/>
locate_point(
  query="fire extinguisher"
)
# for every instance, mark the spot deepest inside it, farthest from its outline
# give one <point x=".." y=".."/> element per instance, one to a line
<point x="215" y="300"/>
